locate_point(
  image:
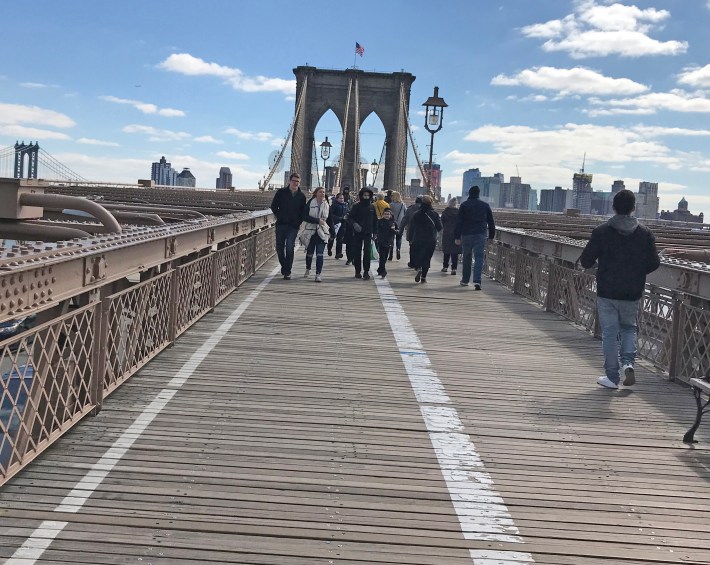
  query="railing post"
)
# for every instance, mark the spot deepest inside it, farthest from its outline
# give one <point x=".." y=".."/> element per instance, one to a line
<point x="172" y="330"/>
<point x="518" y="283"/>
<point x="675" y="345"/>
<point x="215" y="277"/>
<point x="99" y="353"/>
<point x="551" y="278"/>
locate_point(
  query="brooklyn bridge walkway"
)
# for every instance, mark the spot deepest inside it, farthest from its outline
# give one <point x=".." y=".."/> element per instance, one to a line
<point x="371" y="422"/>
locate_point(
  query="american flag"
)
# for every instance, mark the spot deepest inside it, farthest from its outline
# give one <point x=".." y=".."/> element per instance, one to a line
<point x="359" y="49"/>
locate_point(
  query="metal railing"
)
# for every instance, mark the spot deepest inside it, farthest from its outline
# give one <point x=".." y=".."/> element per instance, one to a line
<point x="673" y="323"/>
<point x="56" y="373"/>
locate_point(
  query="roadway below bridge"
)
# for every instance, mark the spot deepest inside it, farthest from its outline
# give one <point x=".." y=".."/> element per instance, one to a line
<point x="371" y="422"/>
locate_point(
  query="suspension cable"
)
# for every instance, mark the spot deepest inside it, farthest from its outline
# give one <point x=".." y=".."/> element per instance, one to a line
<point x="341" y="160"/>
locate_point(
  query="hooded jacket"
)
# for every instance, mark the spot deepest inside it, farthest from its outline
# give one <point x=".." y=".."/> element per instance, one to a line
<point x="626" y="253"/>
<point x="475" y="218"/>
<point x="363" y="214"/>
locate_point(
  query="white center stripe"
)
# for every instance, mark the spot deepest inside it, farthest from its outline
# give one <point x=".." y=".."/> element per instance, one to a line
<point x="482" y="513"/>
<point x="39" y="540"/>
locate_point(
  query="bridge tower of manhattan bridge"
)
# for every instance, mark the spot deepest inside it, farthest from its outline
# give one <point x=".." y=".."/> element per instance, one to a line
<point x="353" y="95"/>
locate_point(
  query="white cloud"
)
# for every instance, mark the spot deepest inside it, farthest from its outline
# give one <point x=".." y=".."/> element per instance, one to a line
<point x="250" y="135"/>
<point x="37" y="85"/>
<point x="578" y="80"/>
<point x="20" y="114"/>
<point x="89" y="141"/>
<point x="157" y="134"/>
<point x="698" y="77"/>
<point x="207" y="139"/>
<point x="659" y="131"/>
<point x="145" y="107"/>
<point x="31" y="133"/>
<point x="186" y="64"/>
<point x="674" y="101"/>
<point x="595" y="30"/>
<point x="232" y="155"/>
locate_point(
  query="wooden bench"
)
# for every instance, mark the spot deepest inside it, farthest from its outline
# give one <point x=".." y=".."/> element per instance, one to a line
<point x="700" y="387"/>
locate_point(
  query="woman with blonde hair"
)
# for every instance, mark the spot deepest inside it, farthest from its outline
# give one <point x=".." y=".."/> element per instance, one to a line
<point x="399" y="209"/>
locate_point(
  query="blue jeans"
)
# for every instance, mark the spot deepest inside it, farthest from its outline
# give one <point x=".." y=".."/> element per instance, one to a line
<point x="617" y="319"/>
<point x="285" y="244"/>
<point x="315" y="245"/>
<point x="473" y="248"/>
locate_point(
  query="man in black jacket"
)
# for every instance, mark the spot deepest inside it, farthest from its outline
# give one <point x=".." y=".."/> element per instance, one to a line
<point x="288" y="205"/>
<point x="626" y="252"/>
<point x="473" y="224"/>
<point x="363" y="220"/>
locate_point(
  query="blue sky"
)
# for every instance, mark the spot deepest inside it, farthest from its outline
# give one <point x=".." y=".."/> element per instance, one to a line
<point x="109" y="87"/>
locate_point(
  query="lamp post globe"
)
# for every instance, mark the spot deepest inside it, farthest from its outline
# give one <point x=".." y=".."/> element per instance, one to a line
<point x="433" y="122"/>
<point x="325" y="155"/>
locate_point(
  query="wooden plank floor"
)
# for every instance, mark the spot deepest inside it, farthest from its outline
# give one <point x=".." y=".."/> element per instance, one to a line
<point x="300" y="441"/>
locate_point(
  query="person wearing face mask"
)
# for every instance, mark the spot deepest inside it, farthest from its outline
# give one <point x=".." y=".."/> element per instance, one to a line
<point x="317" y="230"/>
<point x="364" y="223"/>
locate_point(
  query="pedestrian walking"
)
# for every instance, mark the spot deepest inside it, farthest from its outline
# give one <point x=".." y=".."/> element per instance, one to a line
<point x="380" y="205"/>
<point x="288" y="205"/>
<point x="316" y="232"/>
<point x="625" y="252"/>
<point x="364" y="224"/>
<point x="425" y="226"/>
<point x="339" y="210"/>
<point x="386" y="231"/>
<point x="473" y="224"/>
<point x="413" y="209"/>
<point x="448" y="239"/>
<point x="399" y="209"/>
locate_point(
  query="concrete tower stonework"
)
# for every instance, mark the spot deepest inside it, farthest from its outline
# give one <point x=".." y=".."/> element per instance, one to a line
<point x="385" y="94"/>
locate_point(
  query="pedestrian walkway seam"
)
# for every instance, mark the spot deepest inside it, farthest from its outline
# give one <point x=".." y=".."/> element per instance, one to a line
<point x="40" y="539"/>
<point x="481" y="511"/>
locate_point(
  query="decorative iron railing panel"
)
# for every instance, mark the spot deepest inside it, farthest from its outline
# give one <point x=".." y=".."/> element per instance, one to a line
<point x="58" y="372"/>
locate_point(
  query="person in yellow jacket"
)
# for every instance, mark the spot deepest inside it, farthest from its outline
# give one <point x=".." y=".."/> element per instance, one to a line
<point x="380" y="205"/>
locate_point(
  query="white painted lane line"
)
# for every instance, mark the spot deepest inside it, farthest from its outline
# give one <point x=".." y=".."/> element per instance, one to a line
<point x="33" y="548"/>
<point x="482" y="513"/>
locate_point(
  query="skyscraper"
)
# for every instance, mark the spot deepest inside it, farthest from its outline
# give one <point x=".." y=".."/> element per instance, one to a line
<point x="470" y="178"/>
<point x="225" y="178"/>
<point x="186" y="179"/>
<point x="647" y="200"/>
<point x="582" y="191"/>
<point x="163" y="173"/>
<point x="618" y="186"/>
<point x="435" y="178"/>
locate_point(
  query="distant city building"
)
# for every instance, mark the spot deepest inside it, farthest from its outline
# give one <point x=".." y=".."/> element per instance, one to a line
<point x="224" y="180"/>
<point x="186" y="179"/>
<point x="435" y="178"/>
<point x="582" y="190"/>
<point x="515" y="194"/>
<point x="163" y="173"/>
<point x="647" y="201"/>
<point x="470" y="178"/>
<point x="682" y="214"/>
<point x="618" y="186"/>
<point x="532" y="204"/>
<point x="413" y="189"/>
<point x="555" y="200"/>
<point x="601" y="203"/>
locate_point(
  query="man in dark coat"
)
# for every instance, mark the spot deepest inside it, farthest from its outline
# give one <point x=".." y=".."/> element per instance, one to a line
<point x="625" y="252"/>
<point x="425" y="225"/>
<point x="363" y="220"/>
<point x="474" y="223"/>
<point x="408" y="215"/>
<point x="338" y="210"/>
<point x="448" y="245"/>
<point x="288" y="205"/>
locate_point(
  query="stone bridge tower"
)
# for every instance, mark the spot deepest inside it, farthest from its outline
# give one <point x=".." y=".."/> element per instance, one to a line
<point x="357" y="94"/>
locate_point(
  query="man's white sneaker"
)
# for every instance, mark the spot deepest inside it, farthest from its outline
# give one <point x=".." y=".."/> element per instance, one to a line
<point x="307" y="274"/>
<point x="605" y="382"/>
<point x="318" y="279"/>
<point x="629" y="374"/>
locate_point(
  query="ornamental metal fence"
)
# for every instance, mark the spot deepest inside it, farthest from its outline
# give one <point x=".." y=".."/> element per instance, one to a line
<point x="58" y="372"/>
<point x="673" y="326"/>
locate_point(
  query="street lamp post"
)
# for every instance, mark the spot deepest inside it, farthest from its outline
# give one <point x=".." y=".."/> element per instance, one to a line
<point x="433" y="122"/>
<point x="325" y="155"/>
<point x="374" y="167"/>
